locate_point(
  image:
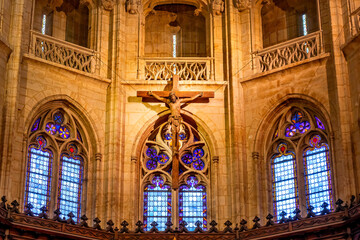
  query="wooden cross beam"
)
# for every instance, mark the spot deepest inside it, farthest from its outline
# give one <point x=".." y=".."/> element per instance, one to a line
<point x="175" y="99"/>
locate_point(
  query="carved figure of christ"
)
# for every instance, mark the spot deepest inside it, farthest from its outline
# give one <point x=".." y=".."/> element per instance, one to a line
<point x="175" y="100"/>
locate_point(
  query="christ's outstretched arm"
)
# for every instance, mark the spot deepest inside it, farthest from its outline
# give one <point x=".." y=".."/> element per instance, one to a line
<point x="192" y="98"/>
<point x="150" y="93"/>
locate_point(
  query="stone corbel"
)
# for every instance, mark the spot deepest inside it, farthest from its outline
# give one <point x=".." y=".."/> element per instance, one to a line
<point x="217" y="6"/>
<point x="108" y="5"/>
<point x="242" y="5"/>
<point x="131" y="6"/>
<point x="98" y="157"/>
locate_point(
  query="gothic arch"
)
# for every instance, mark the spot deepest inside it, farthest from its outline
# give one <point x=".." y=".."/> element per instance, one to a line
<point x="201" y="5"/>
<point x="82" y="144"/>
<point x="267" y="139"/>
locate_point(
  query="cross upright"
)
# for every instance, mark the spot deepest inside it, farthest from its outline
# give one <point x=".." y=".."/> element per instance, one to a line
<point x="175" y="99"/>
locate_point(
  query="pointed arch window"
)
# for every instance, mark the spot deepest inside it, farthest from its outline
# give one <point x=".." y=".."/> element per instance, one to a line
<point x="157" y="203"/>
<point x="284" y="181"/>
<point x="38" y="175"/>
<point x="193" y="178"/>
<point x="54" y="144"/>
<point x="301" y="175"/>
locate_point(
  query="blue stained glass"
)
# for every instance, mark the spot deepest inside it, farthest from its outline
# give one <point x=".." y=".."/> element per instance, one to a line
<point x="64" y="132"/>
<point x="182" y="136"/>
<point x="58" y="118"/>
<point x="317" y="175"/>
<point x="284" y="182"/>
<point x="38" y="178"/>
<point x="151" y="152"/>
<point x="151" y="164"/>
<point x="199" y="153"/>
<point x="157" y="204"/>
<point x="297" y="125"/>
<point x="198" y="164"/>
<point x="187" y="158"/>
<point x="70" y="185"/>
<point x="193" y="203"/>
<point x="163" y="158"/>
<point x="35" y="126"/>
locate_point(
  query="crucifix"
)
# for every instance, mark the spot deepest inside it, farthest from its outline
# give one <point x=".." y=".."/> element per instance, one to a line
<point x="175" y="99"/>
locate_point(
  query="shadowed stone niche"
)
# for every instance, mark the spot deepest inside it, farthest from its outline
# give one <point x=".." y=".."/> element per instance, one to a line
<point x="175" y="26"/>
<point x="283" y="20"/>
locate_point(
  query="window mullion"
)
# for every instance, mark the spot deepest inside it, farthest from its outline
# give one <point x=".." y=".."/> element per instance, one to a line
<point x="301" y="180"/>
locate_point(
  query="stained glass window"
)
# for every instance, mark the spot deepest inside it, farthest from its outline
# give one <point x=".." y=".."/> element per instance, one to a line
<point x="35" y="126"/>
<point x="297" y="125"/>
<point x="38" y="177"/>
<point x="317" y="174"/>
<point x="70" y="183"/>
<point x="319" y="123"/>
<point x="57" y="127"/>
<point x="157" y="203"/>
<point x="284" y="182"/>
<point x="43" y="24"/>
<point x="192" y="203"/>
<point x="304" y="24"/>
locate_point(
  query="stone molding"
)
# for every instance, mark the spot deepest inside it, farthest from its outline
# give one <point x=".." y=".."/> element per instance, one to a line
<point x="242" y="5"/>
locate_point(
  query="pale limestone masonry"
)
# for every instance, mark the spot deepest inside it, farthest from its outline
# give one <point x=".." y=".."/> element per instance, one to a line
<point x="237" y="125"/>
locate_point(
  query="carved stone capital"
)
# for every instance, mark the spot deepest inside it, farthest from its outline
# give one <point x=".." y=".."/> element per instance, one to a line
<point x="132" y="6"/>
<point x="215" y="159"/>
<point x="134" y="159"/>
<point x="242" y="5"/>
<point x="108" y="4"/>
<point x="255" y="156"/>
<point x="217" y="6"/>
<point x="98" y="156"/>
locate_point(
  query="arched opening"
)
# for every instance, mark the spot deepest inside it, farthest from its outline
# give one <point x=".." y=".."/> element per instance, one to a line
<point x="283" y="20"/>
<point x="174" y="30"/>
<point x="77" y="26"/>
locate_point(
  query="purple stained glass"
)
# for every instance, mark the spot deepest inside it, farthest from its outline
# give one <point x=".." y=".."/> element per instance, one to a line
<point x="193" y="203"/>
<point x="317" y="174"/>
<point x="319" y="123"/>
<point x="151" y="164"/>
<point x="157" y="203"/>
<point x="284" y="182"/>
<point x="38" y="175"/>
<point x="304" y="127"/>
<point x="163" y="158"/>
<point x="290" y="131"/>
<point x="198" y="164"/>
<point x="64" y="132"/>
<point x="151" y="152"/>
<point x="51" y="128"/>
<point x="35" y="126"/>
<point x="298" y="125"/>
<point x="198" y="153"/>
<point x="70" y="184"/>
<point x="187" y="158"/>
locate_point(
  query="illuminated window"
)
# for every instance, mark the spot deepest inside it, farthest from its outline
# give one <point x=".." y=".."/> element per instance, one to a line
<point x="192" y="203"/>
<point x="304" y="24"/>
<point x="193" y="172"/>
<point x="317" y="174"/>
<point x="68" y="182"/>
<point x="43" y="24"/>
<point x="174" y="45"/>
<point x="38" y="176"/>
<point x="157" y="203"/>
<point x="300" y="128"/>
<point x="284" y="181"/>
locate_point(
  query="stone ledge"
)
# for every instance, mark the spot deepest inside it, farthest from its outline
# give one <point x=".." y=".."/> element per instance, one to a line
<point x="263" y="74"/>
<point x="56" y="65"/>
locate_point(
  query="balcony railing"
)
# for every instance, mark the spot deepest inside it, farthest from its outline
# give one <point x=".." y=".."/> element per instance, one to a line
<point x="292" y="51"/>
<point x="64" y="53"/>
<point x="188" y="69"/>
<point x="355" y="16"/>
<point x="342" y="223"/>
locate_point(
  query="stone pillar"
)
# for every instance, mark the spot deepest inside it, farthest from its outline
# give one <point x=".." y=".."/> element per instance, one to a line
<point x="214" y="183"/>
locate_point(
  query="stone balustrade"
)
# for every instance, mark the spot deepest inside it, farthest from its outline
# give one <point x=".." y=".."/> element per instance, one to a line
<point x="64" y="53"/>
<point x="188" y="69"/>
<point x="292" y="51"/>
<point x="355" y="16"/>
